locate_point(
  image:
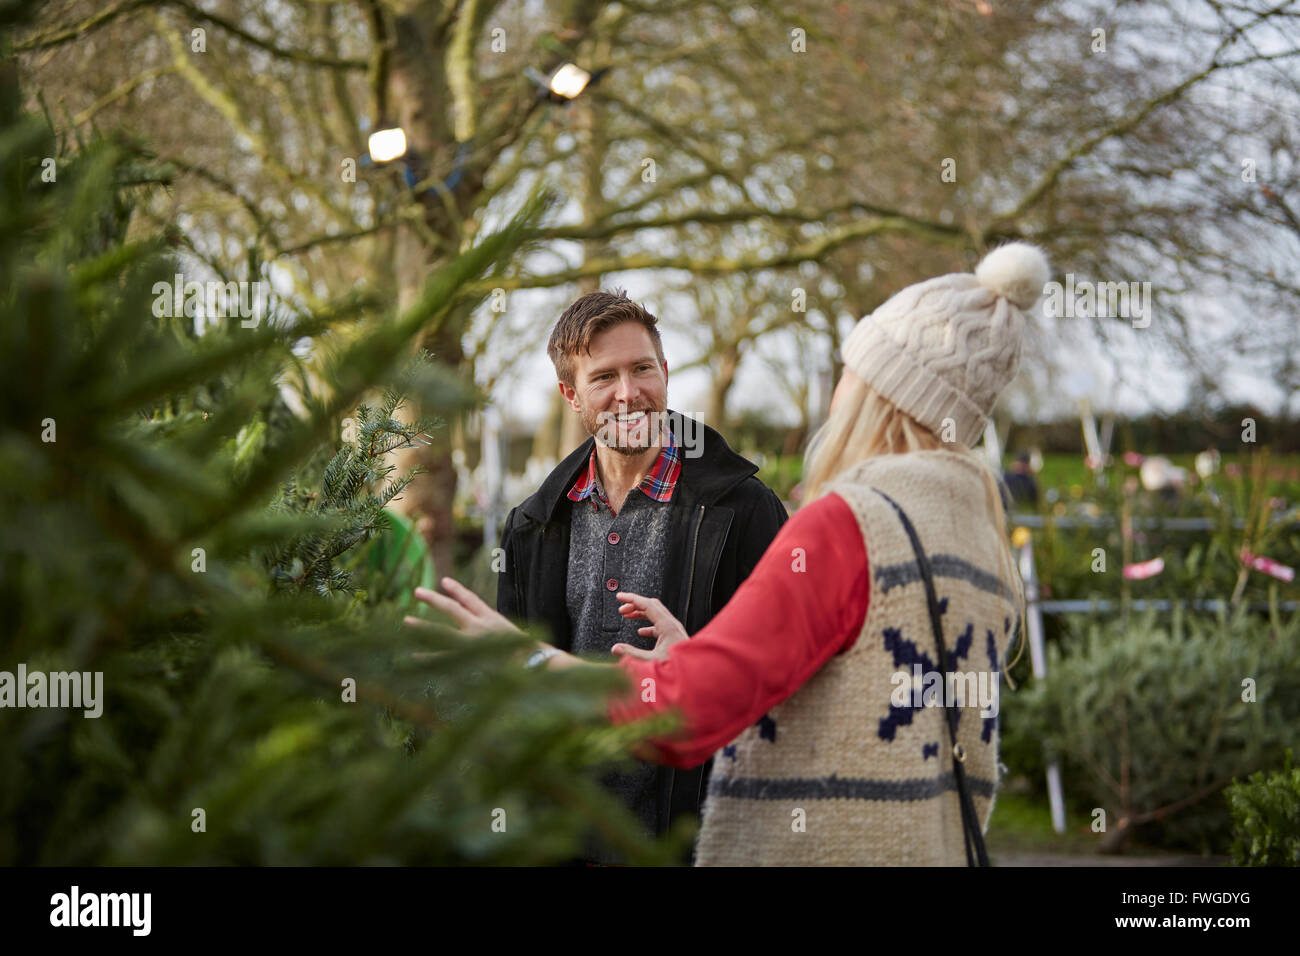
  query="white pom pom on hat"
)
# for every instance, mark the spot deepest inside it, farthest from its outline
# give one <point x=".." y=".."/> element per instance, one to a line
<point x="944" y="349"/>
<point x="1016" y="271"/>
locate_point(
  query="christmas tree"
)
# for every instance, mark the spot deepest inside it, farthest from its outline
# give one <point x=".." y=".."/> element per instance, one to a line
<point x="169" y="524"/>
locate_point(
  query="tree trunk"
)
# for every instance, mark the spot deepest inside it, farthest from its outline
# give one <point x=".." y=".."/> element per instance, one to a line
<point x="423" y="106"/>
<point x="417" y="79"/>
<point x="546" y="440"/>
<point x="724" y="376"/>
<point x="428" y="499"/>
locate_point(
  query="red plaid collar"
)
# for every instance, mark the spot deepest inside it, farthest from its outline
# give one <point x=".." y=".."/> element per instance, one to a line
<point x="657" y="484"/>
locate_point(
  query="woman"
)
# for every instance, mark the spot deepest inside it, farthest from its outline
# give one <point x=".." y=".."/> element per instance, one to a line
<point x="816" y="684"/>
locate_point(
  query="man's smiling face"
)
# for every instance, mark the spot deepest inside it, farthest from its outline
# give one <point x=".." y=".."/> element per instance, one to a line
<point x="620" y="388"/>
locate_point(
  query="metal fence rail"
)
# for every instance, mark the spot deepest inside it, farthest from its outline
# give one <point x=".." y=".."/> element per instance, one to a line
<point x="1157" y="604"/>
<point x="1140" y="523"/>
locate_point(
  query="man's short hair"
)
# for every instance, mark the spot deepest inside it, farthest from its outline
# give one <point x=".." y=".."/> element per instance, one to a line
<point x="591" y="315"/>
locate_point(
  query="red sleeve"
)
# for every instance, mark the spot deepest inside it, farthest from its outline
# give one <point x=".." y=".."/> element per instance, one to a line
<point x="804" y="602"/>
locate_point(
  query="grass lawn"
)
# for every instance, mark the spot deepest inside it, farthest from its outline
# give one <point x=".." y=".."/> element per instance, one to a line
<point x="1022" y="826"/>
<point x="1022" y="823"/>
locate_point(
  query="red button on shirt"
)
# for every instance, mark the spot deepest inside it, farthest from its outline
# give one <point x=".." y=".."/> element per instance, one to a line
<point x="613" y="537"/>
<point x="611" y="584"/>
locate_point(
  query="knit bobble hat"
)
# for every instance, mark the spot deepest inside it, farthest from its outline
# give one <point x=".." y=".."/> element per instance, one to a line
<point x="947" y="347"/>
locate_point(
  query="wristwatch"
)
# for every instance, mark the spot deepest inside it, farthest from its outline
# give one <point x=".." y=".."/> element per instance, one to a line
<point x="537" y="658"/>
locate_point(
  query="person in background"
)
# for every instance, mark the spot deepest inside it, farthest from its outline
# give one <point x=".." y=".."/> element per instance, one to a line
<point x="794" y="685"/>
<point x="1020" y="481"/>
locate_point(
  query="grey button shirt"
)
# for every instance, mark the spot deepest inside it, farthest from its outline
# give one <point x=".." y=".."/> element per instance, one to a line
<point x="608" y="554"/>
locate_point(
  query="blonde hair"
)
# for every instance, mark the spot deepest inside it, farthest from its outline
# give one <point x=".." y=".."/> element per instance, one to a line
<point x="865" y="424"/>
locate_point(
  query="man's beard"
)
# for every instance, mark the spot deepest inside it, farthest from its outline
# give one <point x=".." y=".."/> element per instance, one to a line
<point x="602" y="427"/>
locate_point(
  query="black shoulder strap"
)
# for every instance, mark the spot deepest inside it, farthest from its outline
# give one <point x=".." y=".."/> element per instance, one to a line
<point x="970" y="821"/>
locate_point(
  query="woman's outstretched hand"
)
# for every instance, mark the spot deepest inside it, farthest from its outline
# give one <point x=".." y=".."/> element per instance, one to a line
<point x="470" y="612"/>
<point x="665" y="628"/>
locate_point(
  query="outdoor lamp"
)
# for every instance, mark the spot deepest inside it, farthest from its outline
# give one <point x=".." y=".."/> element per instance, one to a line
<point x="387" y="144"/>
<point x="569" y="80"/>
<point x="566" y="84"/>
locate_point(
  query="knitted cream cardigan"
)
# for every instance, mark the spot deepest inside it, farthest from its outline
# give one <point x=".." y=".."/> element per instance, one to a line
<point x="852" y="778"/>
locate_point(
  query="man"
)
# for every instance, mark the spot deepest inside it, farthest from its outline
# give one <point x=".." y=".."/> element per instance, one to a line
<point x="653" y="502"/>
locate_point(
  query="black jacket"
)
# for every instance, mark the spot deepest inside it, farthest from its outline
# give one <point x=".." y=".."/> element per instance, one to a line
<point x="723" y="520"/>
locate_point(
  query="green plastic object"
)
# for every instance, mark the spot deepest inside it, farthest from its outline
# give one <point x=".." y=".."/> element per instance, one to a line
<point x="398" y="561"/>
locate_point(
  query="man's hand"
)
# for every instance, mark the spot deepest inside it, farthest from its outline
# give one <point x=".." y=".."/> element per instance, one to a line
<point x="665" y="628"/>
<point x="470" y="612"/>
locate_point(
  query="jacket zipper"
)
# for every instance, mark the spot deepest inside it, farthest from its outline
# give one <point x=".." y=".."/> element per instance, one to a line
<point x="686" y="611"/>
<point x="690" y="578"/>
